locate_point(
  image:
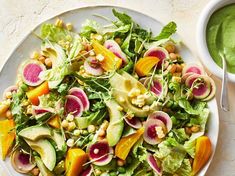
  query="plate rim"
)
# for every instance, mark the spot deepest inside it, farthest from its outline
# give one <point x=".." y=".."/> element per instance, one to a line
<point x="87" y="6"/>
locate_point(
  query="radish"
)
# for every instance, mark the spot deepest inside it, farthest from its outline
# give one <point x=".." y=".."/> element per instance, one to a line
<point x="91" y="66"/>
<point x="193" y="68"/>
<point x="159" y="52"/>
<point x="79" y="93"/>
<point x="31" y="71"/>
<point x="201" y="85"/>
<point x="164" y="117"/>
<point x="100" y="153"/>
<point x="115" y="49"/>
<point x="133" y="122"/>
<point x="213" y="90"/>
<point x="150" y="134"/>
<point x="21" y="162"/>
<point x="40" y="110"/>
<point x="154" y="164"/>
<point x="87" y="171"/>
<point x="73" y="105"/>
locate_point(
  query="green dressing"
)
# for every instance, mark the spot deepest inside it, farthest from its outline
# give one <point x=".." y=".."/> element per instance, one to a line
<point x="220" y="36"/>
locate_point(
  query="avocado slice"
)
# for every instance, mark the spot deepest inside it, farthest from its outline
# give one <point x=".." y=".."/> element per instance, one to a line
<point x="43" y="169"/>
<point x="59" y="140"/>
<point x="35" y="132"/>
<point x="121" y="85"/>
<point x="116" y="124"/>
<point x="46" y="151"/>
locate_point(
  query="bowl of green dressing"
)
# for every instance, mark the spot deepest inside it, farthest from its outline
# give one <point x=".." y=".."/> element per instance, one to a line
<point x="216" y="33"/>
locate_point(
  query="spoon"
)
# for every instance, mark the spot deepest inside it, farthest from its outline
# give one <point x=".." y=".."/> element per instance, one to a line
<point x="224" y="104"/>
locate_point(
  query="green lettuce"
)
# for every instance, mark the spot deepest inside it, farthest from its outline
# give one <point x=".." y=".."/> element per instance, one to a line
<point x="185" y="169"/>
<point x="180" y="135"/>
<point x="131" y="168"/>
<point x="190" y="147"/>
<point x="196" y="109"/>
<point x="139" y="152"/>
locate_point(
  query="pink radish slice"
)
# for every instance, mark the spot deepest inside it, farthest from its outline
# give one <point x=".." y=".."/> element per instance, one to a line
<point x="134" y="122"/>
<point x="21" y="162"/>
<point x="90" y="68"/>
<point x="213" y="90"/>
<point x="185" y="76"/>
<point x="79" y="93"/>
<point x="101" y="153"/>
<point x="156" y="87"/>
<point x="87" y="172"/>
<point x="150" y="134"/>
<point x="164" y="117"/>
<point x="158" y="52"/>
<point x="154" y="164"/>
<point x="10" y="89"/>
<point x="31" y="71"/>
<point x="203" y="89"/>
<point x="115" y="48"/>
<point x="193" y="68"/>
<point x="73" y="105"/>
<point x="39" y="110"/>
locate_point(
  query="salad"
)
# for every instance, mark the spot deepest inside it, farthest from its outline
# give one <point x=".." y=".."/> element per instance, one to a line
<point x="108" y="100"/>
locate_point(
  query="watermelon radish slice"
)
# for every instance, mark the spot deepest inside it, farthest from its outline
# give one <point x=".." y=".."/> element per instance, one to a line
<point x="92" y="66"/>
<point x="159" y="52"/>
<point x="156" y="87"/>
<point x="193" y="68"/>
<point x="164" y="117"/>
<point x="150" y="133"/>
<point x="73" y="105"/>
<point x="154" y="164"/>
<point x="31" y="71"/>
<point x="100" y="153"/>
<point x="87" y="171"/>
<point x="40" y="110"/>
<point x="79" y="93"/>
<point x="9" y="89"/>
<point x="213" y="90"/>
<point x="133" y="122"/>
<point x="185" y="76"/>
<point x="21" y="162"/>
<point x="201" y="83"/>
<point x="115" y="49"/>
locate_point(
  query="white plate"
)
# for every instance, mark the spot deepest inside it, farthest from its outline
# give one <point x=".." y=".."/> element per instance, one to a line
<point x="77" y="17"/>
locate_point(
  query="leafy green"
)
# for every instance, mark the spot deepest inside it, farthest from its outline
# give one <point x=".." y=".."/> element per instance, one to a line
<point x="185" y="169"/>
<point x="172" y="162"/>
<point x="139" y="152"/>
<point x="54" y="33"/>
<point x="126" y="19"/>
<point x="167" y="31"/>
<point x="190" y="147"/>
<point x="180" y="135"/>
<point x="130" y="168"/>
<point x="185" y="104"/>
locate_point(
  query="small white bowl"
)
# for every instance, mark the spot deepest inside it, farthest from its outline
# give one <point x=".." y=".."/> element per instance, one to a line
<point x="204" y="54"/>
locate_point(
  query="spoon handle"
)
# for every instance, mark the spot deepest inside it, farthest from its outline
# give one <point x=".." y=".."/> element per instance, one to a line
<point x="224" y="104"/>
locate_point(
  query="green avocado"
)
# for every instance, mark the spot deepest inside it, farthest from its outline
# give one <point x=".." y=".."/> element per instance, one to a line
<point x="35" y="132"/>
<point x="122" y="84"/>
<point x="46" y="151"/>
<point x="116" y="124"/>
<point x="43" y="169"/>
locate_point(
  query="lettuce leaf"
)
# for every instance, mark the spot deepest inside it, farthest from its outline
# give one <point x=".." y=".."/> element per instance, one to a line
<point x="139" y="152"/>
<point x="131" y="168"/>
<point x="54" y="33"/>
<point x="185" y="169"/>
<point x="167" y="31"/>
<point x="180" y="135"/>
<point x="190" y="147"/>
<point x="124" y="18"/>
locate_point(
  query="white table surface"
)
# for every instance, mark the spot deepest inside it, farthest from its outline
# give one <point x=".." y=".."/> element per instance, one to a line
<point x="17" y="18"/>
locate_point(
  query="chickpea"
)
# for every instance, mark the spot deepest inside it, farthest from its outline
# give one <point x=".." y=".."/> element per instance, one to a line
<point x="35" y="171"/>
<point x="188" y="130"/>
<point x="170" y="47"/>
<point x="91" y="128"/>
<point x="173" y="56"/>
<point x="48" y="62"/>
<point x="118" y="40"/>
<point x="42" y="59"/>
<point x="172" y="68"/>
<point x="178" y="68"/>
<point x="195" y="128"/>
<point x="120" y="162"/>
<point x="9" y="114"/>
